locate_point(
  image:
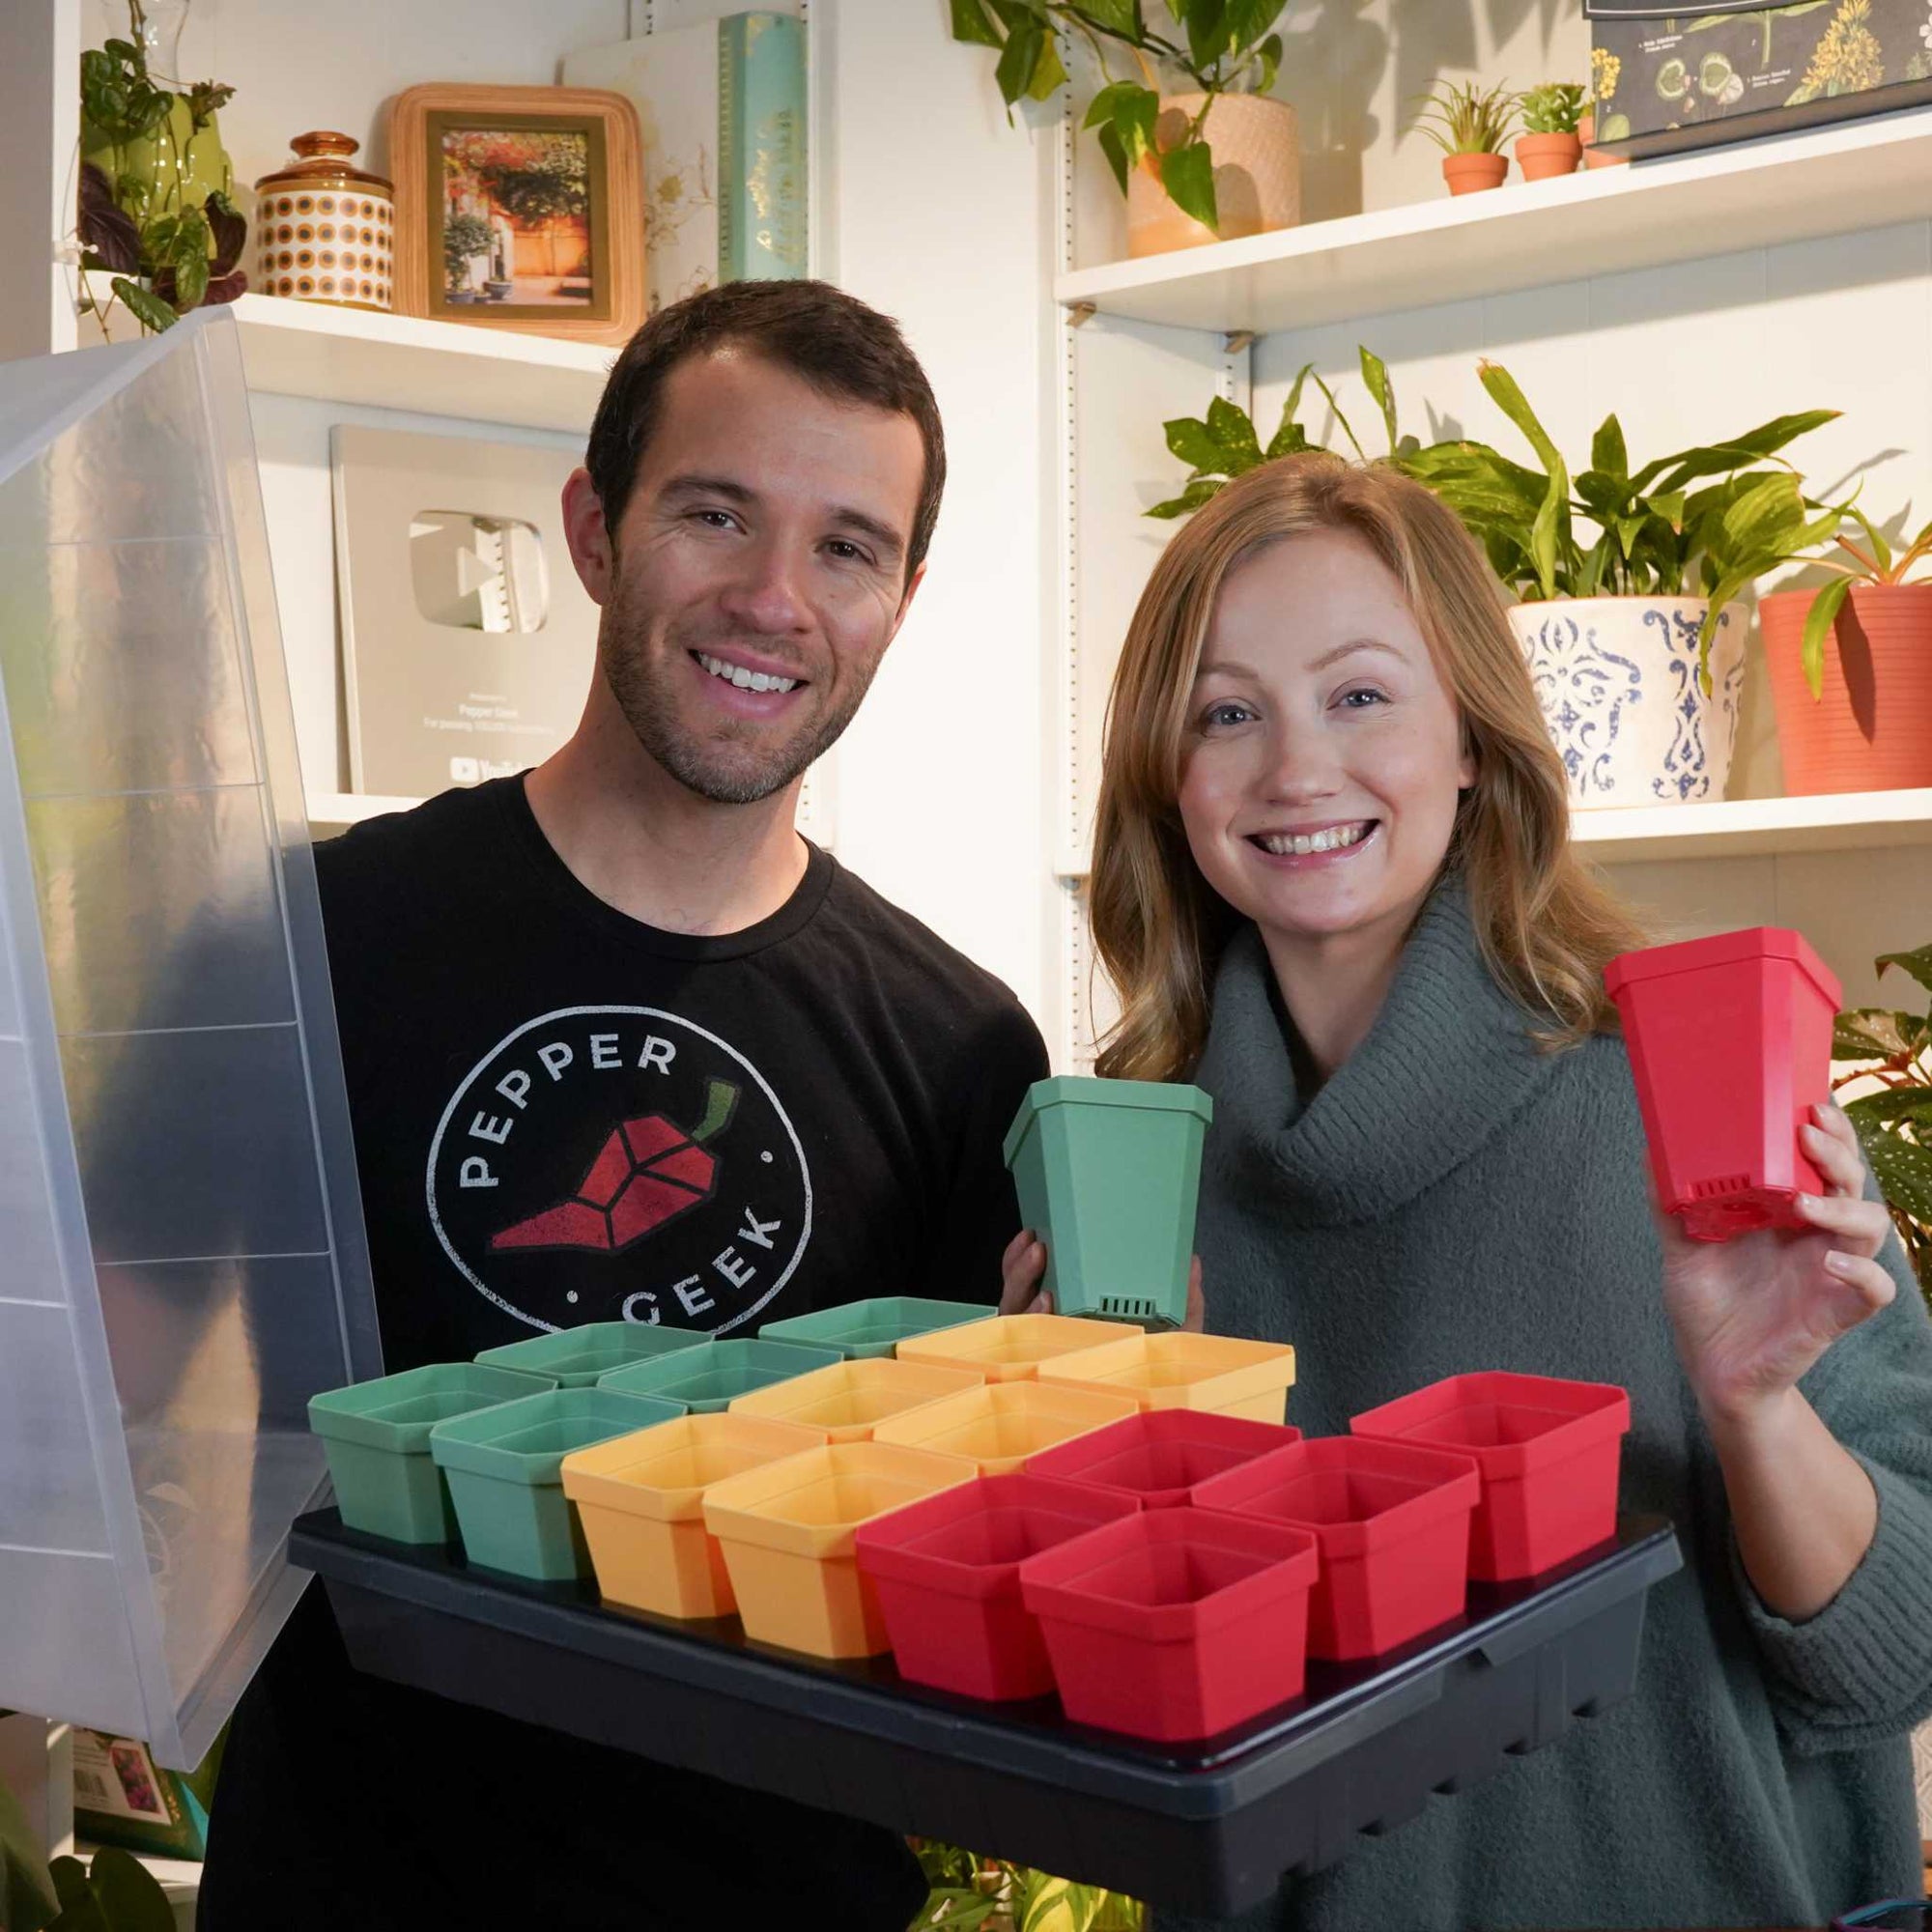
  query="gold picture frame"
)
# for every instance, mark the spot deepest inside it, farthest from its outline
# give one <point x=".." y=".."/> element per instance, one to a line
<point x="519" y="208"/>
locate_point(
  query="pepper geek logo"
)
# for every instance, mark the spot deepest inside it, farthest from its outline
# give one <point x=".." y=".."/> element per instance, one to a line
<point x="619" y="1163"/>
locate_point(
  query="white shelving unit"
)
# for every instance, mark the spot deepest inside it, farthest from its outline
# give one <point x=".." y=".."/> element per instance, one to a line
<point x="1865" y="174"/>
<point x="434" y="369"/>
<point x="1727" y="282"/>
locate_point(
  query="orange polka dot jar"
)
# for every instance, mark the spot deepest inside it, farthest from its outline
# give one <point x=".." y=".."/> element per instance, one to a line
<point x="325" y="231"/>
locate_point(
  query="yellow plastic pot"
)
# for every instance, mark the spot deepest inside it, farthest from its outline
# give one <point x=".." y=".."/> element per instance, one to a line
<point x="999" y="1428"/>
<point x="640" y="1501"/>
<point x="787" y="1531"/>
<point x="1218" y="1373"/>
<point x="1012" y="1348"/>
<point x="849" y="1400"/>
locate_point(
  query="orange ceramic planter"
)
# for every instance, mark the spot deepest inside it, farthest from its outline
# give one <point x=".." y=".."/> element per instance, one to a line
<point x="847" y="1401"/>
<point x="1014" y="1348"/>
<point x="1218" y="1373"/>
<point x="1873" y="730"/>
<point x="1470" y="174"/>
<point x="999" y="1428"/>
<point x="1545" y="156"/>
<point x="640" y="1499"/>
<point x="788" y="1529"/>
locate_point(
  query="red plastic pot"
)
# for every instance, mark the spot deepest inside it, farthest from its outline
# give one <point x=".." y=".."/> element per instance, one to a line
<point x="1730" y="1044"/>
<point x="946" y="1571"/>
<point x="1160" y="1455"/>
<point x="1872" y="728"/>
<point x="1392" y="1522"/>
<point x="1175" y="1624"/>
<point x="1548" y="1451"/>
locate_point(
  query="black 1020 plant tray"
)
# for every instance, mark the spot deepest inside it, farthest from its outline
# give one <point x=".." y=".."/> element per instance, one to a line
<point x="1206" y="1828"/>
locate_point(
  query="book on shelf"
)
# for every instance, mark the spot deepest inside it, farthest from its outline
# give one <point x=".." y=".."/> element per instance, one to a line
<point x="722" y="108"/>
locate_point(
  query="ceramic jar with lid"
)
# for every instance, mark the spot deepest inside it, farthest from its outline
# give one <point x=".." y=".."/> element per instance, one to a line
<point x="325" y="229"/>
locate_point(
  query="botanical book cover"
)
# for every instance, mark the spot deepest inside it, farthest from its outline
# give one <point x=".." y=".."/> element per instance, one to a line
<point x="721" y="109"/>
<point x="1663" y="81"/>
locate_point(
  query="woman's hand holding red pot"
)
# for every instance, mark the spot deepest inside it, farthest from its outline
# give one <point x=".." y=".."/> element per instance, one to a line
<point x="1024" y="1263"/>
<point x="1752" y="1316"/>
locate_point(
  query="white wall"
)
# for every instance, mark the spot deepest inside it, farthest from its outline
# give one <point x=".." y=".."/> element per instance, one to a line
<point x="931" y="208"/>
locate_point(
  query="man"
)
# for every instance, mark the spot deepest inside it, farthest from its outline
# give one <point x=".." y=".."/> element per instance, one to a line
<point x="621" y="1045"/>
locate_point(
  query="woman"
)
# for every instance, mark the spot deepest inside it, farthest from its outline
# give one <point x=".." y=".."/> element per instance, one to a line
<point x="1333" y="884"/>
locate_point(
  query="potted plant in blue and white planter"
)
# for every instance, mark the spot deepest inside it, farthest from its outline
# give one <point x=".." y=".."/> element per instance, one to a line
<point x="1628" y="582"/>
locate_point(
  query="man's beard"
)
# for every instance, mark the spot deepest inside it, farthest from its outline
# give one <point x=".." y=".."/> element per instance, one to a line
<point x="729" y="765"/>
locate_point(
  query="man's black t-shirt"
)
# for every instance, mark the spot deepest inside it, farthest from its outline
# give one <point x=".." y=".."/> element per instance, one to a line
<point x="565" y="1115"/>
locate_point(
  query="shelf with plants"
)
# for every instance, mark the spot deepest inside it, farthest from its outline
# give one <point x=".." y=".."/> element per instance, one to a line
<point x="1862" y="174"/>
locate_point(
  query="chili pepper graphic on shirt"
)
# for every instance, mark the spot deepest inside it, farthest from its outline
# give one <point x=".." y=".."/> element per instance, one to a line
<point x="608" y="1163"/>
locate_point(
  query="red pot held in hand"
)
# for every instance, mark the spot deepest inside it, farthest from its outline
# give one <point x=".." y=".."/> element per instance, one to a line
<point x="1731" y="1043"/>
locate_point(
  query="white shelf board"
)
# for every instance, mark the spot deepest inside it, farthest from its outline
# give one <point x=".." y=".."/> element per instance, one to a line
<point x="330" y="811"/>
<point x="1789" y="187"/>
<point x="1731" y="829"/>
<point x="1756" y="827"/>
<point x="405" y="362"/>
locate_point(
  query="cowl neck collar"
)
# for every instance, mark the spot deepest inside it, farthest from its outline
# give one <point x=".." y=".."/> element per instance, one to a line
<point x="1447" y="1064"/>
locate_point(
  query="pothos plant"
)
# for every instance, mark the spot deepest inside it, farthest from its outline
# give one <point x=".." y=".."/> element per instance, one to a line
<point x="975" y="1895"/>
<point x="1895" y="1122"/>
<point x="1225" y="443"/>
<point x="1220" y="46"/>
<point x="163" y="253"/>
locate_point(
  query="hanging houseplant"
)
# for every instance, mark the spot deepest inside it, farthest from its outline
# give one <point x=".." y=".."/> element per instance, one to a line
<point x="155" y="213"/>
<point x="1198" y="146"/>
<point x="1850" y="667"/>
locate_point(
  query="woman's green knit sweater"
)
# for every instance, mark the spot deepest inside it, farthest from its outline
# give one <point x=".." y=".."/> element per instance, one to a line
<point x="1455" y="1199"/>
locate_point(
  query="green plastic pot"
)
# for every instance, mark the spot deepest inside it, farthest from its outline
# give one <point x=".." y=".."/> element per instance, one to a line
<point x="377" y="1439"/>
<point x="504" y="1468"/>
<point x="1109" y="1176"/>
<point x="869" y="1330"/>
<point x="582" y="1358"/>
<point x="708" y="1380"/>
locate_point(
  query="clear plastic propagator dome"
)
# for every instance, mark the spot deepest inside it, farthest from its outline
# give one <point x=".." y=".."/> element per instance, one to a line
<point x="182" y="1255"/>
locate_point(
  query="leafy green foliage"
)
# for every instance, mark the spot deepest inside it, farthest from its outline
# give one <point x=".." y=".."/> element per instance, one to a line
<point x="115" y="1894"/>
<point x="971" y="1892"/>
<point x="28" y="1900"/>
<point x="1210" y="47"/>
<point x="164" y="256"/>
<point x="1894" y="1121"/>
<point x="1557" y="108"/>
<point x="1463" y="119"/>
<point x="1655" y="535"/>
<point x="1864" y="558"/>
<point x="1225" y="444"/>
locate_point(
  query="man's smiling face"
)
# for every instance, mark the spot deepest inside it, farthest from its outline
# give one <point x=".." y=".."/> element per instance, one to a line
<point x="759" y="573"/>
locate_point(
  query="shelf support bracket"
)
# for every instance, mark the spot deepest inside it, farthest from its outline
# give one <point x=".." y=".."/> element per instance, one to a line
<point x="1078" y="313"/>
<point x="1236" y="340"/>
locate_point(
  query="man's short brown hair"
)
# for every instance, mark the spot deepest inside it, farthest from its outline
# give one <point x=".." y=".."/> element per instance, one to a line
<point x="821" y="334"/>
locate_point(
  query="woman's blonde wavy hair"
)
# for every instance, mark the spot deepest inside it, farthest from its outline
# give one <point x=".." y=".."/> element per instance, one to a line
<point x="1546" y="926"/>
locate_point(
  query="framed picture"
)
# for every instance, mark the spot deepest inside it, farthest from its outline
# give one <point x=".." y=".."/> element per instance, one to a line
<point x="519" y="208"/>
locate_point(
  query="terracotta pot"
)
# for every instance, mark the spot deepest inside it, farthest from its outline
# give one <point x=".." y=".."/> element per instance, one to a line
<point x="1470" y="174"/>
<point x="1586" y="127"/>
<point x="1257" y="147"/>
<point x="1873" y="730"/>
<point x="1544" y="157"/>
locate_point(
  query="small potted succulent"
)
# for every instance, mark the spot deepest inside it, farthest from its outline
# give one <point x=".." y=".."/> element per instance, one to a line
<point x="1469" y="125"/>
<point x="1201" y="150"/>
<point x="1550" y="144"/>
<point x="1855" y="716"/>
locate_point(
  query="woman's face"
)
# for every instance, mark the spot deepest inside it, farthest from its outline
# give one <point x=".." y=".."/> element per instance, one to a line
<point x="1323" y="752"/>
